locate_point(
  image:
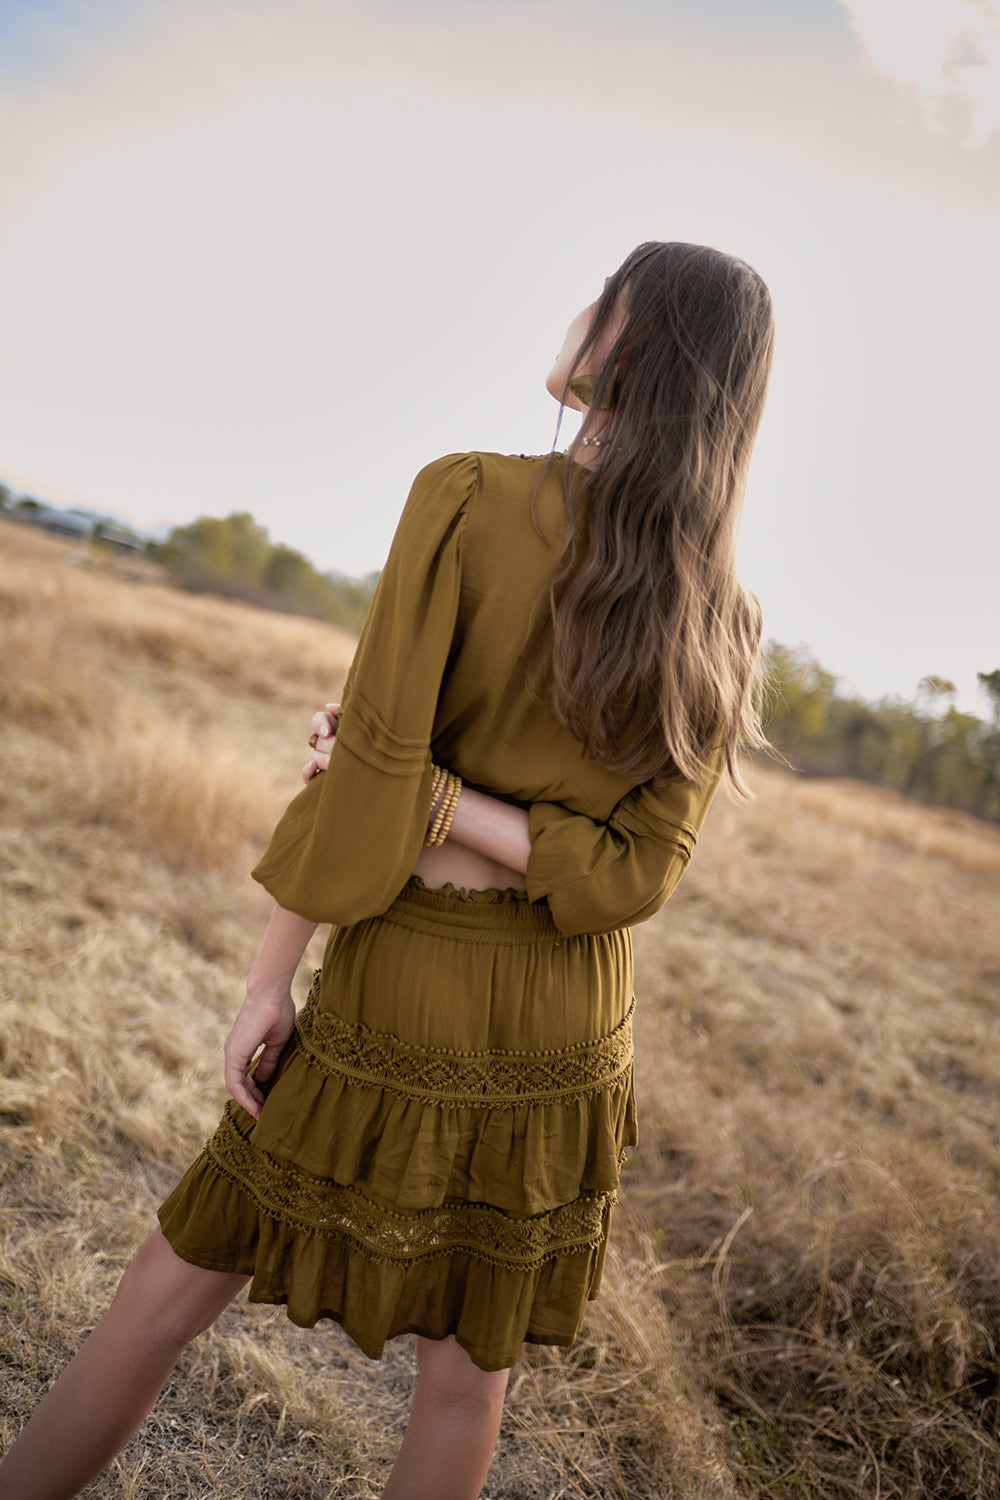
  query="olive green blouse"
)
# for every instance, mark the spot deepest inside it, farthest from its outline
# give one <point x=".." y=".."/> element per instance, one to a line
<point x="439" y="676"/>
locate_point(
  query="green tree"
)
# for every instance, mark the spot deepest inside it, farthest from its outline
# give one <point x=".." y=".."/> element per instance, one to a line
<point x="235" y="556"/>
<point x="932" y="689"/>
<point x="231" y="553"/>
<point x="989" y="686"/>
<point x="989" y="758"/>
<point x="926" y="748"/>
<point x="798" y="697"/>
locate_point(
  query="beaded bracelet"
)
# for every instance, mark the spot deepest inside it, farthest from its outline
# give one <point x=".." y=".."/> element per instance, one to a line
<point x="454" y="793"/>
<point x="451" y="786"/>
<point x="441" y="825"/>
<point x="439" y="783"/>
<point x="439" y="795"/>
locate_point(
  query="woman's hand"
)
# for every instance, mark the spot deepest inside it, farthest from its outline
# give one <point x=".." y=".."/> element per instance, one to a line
<point x="268" y="1013"/>
<point x="266" y="1019"/>
<point x="324" y="732"/>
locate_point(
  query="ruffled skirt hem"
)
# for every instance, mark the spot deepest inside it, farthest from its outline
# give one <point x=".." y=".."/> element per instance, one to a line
<point x="396" y="1186"/>
<point x="491" y="1308"/>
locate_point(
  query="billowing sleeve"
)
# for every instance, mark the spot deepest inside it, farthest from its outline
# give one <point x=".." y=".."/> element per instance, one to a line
<point x="601" y="875"/>
<point x="348" y="842"/>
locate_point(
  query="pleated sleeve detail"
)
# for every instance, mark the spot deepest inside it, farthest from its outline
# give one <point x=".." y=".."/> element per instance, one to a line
<point x="348" y="842"/>
<point x="600" y="875"/>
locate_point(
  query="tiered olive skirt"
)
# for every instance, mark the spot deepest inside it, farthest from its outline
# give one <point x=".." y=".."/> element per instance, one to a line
<point x="439" y="1150"/>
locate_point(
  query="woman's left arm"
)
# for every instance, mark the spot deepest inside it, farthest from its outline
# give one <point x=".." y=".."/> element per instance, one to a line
<point x="346" y="845"/>
<point x="486" y="825"/>
<point x="268" y="1013"/>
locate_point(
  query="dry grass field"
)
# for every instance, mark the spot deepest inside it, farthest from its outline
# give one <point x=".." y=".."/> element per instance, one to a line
<point x="802" y="1298"/>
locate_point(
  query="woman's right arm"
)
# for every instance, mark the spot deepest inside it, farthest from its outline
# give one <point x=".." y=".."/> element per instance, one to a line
<point x="487" y="847"/>
<point x="596" y="875"/>
<point x="496" y="829"/>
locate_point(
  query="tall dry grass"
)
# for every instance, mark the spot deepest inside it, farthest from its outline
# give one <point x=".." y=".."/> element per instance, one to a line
<point x="801" y="1294"/>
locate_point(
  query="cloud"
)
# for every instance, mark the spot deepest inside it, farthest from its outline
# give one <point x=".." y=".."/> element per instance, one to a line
<point x="947" y="50"/>
<point x="107" y="66"/>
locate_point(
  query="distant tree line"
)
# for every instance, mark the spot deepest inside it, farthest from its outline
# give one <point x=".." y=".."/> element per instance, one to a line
<point x="927" y="748"/>
<point x="235" y="557"/>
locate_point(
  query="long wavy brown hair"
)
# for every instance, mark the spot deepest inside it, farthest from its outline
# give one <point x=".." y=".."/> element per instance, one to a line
<point x="649" y="649"/>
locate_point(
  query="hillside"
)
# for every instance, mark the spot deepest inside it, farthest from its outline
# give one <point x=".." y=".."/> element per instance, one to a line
<point x="801" y="1298"/>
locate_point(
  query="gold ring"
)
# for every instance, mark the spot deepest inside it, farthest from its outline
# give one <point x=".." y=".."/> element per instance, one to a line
<point x="312" y="741"/>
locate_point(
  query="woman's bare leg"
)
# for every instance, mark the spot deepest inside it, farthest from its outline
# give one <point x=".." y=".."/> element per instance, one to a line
<point x="109" y="1388"/>
<point x="453" y="1426"/>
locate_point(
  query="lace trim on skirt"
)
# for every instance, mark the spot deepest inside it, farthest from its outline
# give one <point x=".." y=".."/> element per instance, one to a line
<point x="317" y="1206"/>
<point x="437" y="1076"/>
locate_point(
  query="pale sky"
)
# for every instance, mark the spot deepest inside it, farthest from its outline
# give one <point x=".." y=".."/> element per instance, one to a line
<point x="275" y="255"/>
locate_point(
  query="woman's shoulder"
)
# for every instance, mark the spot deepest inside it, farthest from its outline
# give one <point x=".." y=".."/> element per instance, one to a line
<point x="478" y="461"/>
<point x="484" y="490"/>
<point x="523" y="468"/>
<point x="441" y="491"/>
<point x="514" y="475"/>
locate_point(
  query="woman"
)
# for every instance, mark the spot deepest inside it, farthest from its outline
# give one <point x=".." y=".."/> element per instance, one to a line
<point x="435" y="1147"/>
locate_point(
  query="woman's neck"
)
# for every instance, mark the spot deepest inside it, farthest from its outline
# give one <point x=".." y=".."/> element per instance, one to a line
<point x="590" y="444"/>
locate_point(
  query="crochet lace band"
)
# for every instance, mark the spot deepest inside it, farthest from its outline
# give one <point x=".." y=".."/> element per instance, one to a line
<point x="438" y="1076"/>
<point x="318" y="1206"/>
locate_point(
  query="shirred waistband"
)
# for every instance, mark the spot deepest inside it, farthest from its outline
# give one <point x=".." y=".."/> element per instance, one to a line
<point x="487" y="916"/>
